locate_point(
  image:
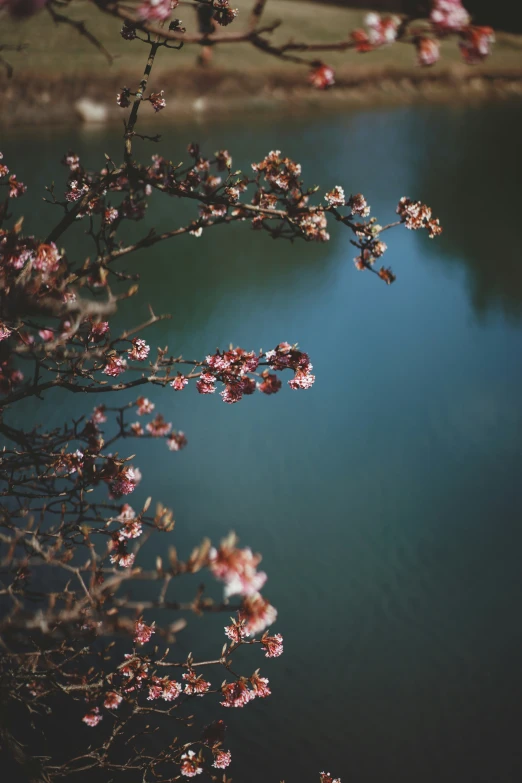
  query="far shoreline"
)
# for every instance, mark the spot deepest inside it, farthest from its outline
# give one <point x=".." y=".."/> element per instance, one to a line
<point x="49" y="100"/>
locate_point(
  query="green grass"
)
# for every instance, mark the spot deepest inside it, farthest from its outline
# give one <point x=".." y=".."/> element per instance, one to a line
<point x="55" y="50"/>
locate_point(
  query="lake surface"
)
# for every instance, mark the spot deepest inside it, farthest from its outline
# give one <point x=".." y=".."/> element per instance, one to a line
<point x="386" y="500"/>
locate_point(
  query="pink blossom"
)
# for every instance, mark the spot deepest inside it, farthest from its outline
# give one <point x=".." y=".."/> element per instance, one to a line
<point x="110" y="215"/>
<point x="164" y="688"/>
<point x="381" y="30"/>
<point x="139" y="351"/>
<point x="195" y="685"/>
<point x="321" y="76"/>
<point x="134" y="667"/>
<point x="98" y="415"/>
<point x="144" y="406"/>
<point x="93" y="717"/>
<point x="136" y="429"/>
<point x="258" y="613"/>
<point x="158" y="427"/>
<point x="336" y="197"/>
<point x="131" y="529"/>
<point x="142" y="631"/>
<point x="237" y="631"/>
<point x="179" y="382"/>
<point x="272" y="645"/>
<point x="98" y="330"/>
<point x="176" y="441"/>
<point x="475" y="44"/>
<point x="47" y="258"/>
<point x="236" y="568"/>
<point x="205" y="384"/>
<point x="16" y="188"/>
<point x="121" y="557"/>
<point x="190" y="765"/>
<point x="112" y="700"/>
<point x="428" y="51"/>
<point x="4" y="332"/>
<point x="72" y="161"/>
<point x="4" y="171"/>
<point x="236" y="694"/>
<point x="76" y="191"/>
<point x="222" y="758"/>
<point x="156" y="10"/>
<point x="126" y="481"/>
<point x="115" y="366"/>
<point x="449" y="15"/>
<point x="157" y="100"/>
<point x="155" y="691"/>
<point x="301" y="380"/>
<point x="232" y="392"/>
<point x="260" y="686"/>
<point x="325" y="777"/>
<point x="359" y="205"/>
<point x="46" y="335"/>
<point x="270" y="383"/>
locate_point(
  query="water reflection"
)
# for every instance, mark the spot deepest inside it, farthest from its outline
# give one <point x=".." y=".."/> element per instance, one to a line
<point x="386" y="499"/>
<point x="466" y="167"/>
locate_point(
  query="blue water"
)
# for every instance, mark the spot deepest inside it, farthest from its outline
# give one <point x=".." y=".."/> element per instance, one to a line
<point x="386" y="500"/>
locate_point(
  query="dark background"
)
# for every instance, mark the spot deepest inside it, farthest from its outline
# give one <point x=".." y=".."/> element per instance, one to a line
<point x="502" y="14"/>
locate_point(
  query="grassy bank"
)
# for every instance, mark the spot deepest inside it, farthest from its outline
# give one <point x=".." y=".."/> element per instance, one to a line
<point x="59" y="66"/>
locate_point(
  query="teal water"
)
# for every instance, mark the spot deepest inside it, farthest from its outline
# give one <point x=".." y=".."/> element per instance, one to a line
<point x="386" y="500"/>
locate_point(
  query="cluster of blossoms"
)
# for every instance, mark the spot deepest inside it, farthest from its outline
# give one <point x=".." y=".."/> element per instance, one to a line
<point x="416" y="215"/>
<point x="282" y="174"/>
<point x="157" y="427"/>
<point x="157" y="100"/>
<point x="239" y="694"/>
<point x="272" y="645"/>
<point x="257" y="613"/>
<point x="224" y="14"/>
<point x="449" y="15"/>
<point x="139" y="351"/>
<point x="163" y="688"/>
<point x="156" y="10"/>
<point x="233" y="366"/>
<point x="222" y="758"/>
<point x="287" y="356"/>
<point x="446" y="17"/>
<point x="325" y="777"/>
<point x="190" y="764"/>
<point x="236" y="632"/>
<point x="112" y="701"/>
<point x="237" y="568"/>
<point x="321" y="76"/>
<point x="131" y="526"/>
<point x="16" y="188"/>
<point x="195" y="685"/>
<point x="335" y="197"/>
<point x="142" y="631"/>
<point x="380" y="31"/>
<point x="117" y="364"/>
<point x="475" y="43"/>
<point x="428" y="50"/>
<point x="125" y="481"/>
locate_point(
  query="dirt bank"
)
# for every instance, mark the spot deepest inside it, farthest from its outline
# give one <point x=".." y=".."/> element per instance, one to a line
<point x="28" y="98"/>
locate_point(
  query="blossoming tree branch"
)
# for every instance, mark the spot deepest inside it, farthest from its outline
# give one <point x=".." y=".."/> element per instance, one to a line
<point x="75" y="638"/>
